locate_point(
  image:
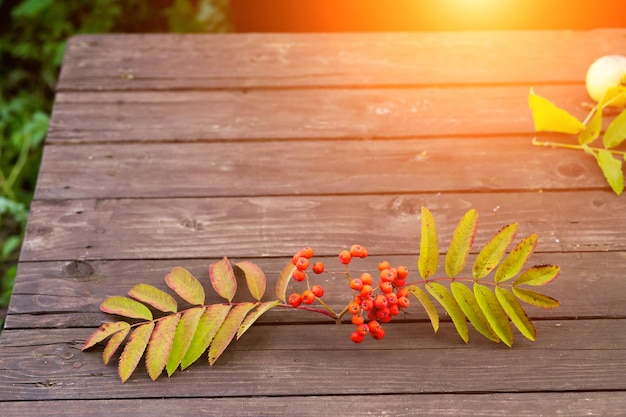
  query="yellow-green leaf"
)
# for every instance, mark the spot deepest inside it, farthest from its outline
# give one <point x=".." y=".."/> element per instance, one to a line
<point x="185" y="331"/>
<point x="516" y="259"/>
<point x="538" y="275"/>
<point x="592" y="130"/>
<point x="255" y="278"/>
<point x="126" y="307"/>
<point x="615" y="96"/>
<point x="447" y="301"/>
<point x="186" y="285"/>
<point x="616" y="131"/>
<point x="461" y="244"/>
<point x="155" y="297"/>
<point x="550" y="118"/>
<point x="228" y="330"/>
<point x="467" y="301"/>
<point x="160" y="345"/>
<point x="516" y="313"/>
<point x="429" y="246"/>
<point x="491" y="254"/>
<point x="223" y="279"/>
<point x="422" y="297"/>
<point x="254" y="316"/>
<point x="104" y="331"/>
<point x="114" y="343"/>
<point x="207" y="328"/>
<point x="612" y="169"/>
<point x="134" y="349"/>
<point x="535" y="298"/>
<point x="494" y="312"/>
<point x="283" y="281"/>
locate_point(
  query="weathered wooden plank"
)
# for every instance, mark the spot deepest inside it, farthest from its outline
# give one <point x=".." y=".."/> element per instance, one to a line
<point x="566" y="404"/>
<point x="301" y="114"/>
<point x="321" y="360"/>
<point x="326" y="167"/>
<point x="279" y="226"/>
<point x="286" y="60"/>
<point x="68" y="294"/>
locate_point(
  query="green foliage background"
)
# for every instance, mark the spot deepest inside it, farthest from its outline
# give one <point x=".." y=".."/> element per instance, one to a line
<point x="33" y="34"/>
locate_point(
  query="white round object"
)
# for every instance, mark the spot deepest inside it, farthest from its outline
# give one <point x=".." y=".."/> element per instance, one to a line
<point x="606" y="72"/>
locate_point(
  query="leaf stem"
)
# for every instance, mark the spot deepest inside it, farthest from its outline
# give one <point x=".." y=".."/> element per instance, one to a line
<point x="576" y="147"/>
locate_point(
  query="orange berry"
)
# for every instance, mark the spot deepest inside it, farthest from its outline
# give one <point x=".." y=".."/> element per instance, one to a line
<point x="302" y="263"/>
<point x="356" y="284"/>
<point x="367" y="305"/>
<point x="356" y="337"/>
<point x="357" y="319"/>
<point x="386" y="287"/>
<point x="355" y="250"/>
<point x="380" y="301"/>
<point x="394" y="310"/>
<point x="367" y="278"/>
<point x="378" y="334"/>
<point x="403" y="302"/>
<point x="295" y="300"/>
<point x="345" y="257"/>
<point x="354" y="307"/>
<point x="403" y="292"/>
<point x="399" y="283"/>
<point x="295" y="258"/>
<point x="363" y="329"/>
<point x="383" y="314"/>
<point x="308" y="297"/>
<point x="403" y="272"/>
<point x="298" y="275"/>
<point x="317" y="290"/>
<point x="386" y="275"/>
<point x="392" y="299"/>
<point x="366" y="291"/>
<point x="318" y="267"/>
<point x="374" y="326"/>
<point x="307" y="252"/>
<point x="383" y="265"/>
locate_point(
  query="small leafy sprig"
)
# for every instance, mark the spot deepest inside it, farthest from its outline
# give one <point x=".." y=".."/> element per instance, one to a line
<point x="178" y="338"/>
<point x="550" y="118"/>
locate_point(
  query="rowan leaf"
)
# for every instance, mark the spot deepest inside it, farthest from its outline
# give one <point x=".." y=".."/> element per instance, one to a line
<point x="185" y="285"/>
<point x="538" y="275"/>
<point x="104" y="331"/>
<point x="134" y="349"/>
<point x="255" y="278"/>
<point x="155" y="297"/>
<point x="185" y="331"/>
<point x="467" y="301"/>
<point x="516" y="259"/>
<point x="550" y="118"/>
<point x="114" y="343"/>
<point x="496" y="316"/>
<point x="123" y="306"/>
<point x="612" y="169"/>
<point x="255" y="315"/>
<point x="516" y="313"/>
<point x="160" y="345"/>
<point x="536" y="298"/>
<point x="447" y="301"/>
<point x="283" y="281"/>
<point x="592" y="130"/>
<point x="228" y="330"/>
<point x="615" y="133"/>
<point x="491" y="254"/>
<point x="207" y="328"/>
<point x="431" y="311"/>
<point x="429" y="247"/>
<point x="461" y="244"/>
<point x="223" y="279"/>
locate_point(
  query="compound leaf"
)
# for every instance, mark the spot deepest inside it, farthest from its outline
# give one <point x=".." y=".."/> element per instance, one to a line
<point x="185" y="331"/>
<point x="104" y="331"/>
<point x="155" y="297"/>
<point x="516" y="259"/>
<point x="538" y="275"/>
<point x="612" y="169"/>
<point x="283" y="281"/>
<point x="185" y="285"/>
<point x="123" y="306"/>
<point x="461" y="244"/>
<point x="228" y="330"/>
<point x="491" y="254"/>
<point x="516" y="313"/>
<point x="550" y="118"/>
<point x="422" y="297"/>
<point x="254" y="316"/>
<point x="494" y="312"/>
<point x="207" y="328"/>
<point x="616" y="132"/>
<point x="134" y="349"/>
<point x="467" y="301"/>
<point x="535" y="298"/>
<point x="429" y="247"/>
<point x="160" y="345"/>
<point x="447" y="301"/>
<point x="223" y="279"/>
<point x="255" y="278"/>
<point x="114" y="343"/>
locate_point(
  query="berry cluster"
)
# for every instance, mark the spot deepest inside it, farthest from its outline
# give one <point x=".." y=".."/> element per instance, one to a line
<point x="302" y="261"/>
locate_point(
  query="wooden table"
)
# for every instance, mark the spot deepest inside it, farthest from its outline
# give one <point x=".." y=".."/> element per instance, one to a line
<point x="169" y="150"/>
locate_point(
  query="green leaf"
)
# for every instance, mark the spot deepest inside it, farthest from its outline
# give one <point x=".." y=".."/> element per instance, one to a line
<point x="185" y="331"/>
<point x="422" y="297"/>
<point x="612" y="170"/>
<point x="516" y="313"/>
<point x="160" y="345"/>
<point x="538" y="275"/>
<point x="185" y="285"/>
<point x="429" y="247"/>
<point x="228" y="330"/>
<point x="516" y="259"/>
<point x="461" y="244"/>
<point x="223" y="279"/>
<point x="254" y="316"/>
<point x="207" y="328"/>
<point x="283" y="281"/>
<point x="134" y="349"/>
<point x="155" y="297"/>
<point x="126" y="307"/>
<point x="616" y="131"/>
<point x="113" y="344"/>
<point x="104" y="331"/>
<point x="467" y="301"/>
<point x="550" y="118"/>
<point x="494" y="312"/>
<point x="592" y="130"/>
<point x="255" y="278"/>
<point x="447" y="301"/>
<point x="535" y="298"/>
<point x="490" y="255"/>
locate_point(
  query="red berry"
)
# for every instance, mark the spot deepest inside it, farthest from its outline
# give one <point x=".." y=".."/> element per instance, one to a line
<point x="295" y="300"/>
<point x="383" y="265"/>
<point x="367" y="278"/>
<point x="318" y="267"/>
<point x="358" y="299"/>
<point x="356" y="337"/>
<point x="366" y="291"/>
<point x="355" y="250"/>
<point x="386" y="275"/>
<point x="318" y="290"/>
<point x="403" y="272"/>
<point x="357" y="319"/>
<point x="367" y="305"/>
<point x="345" y="257"/>
<point x="392" y="299"/>
<point x="307" y="252"/>
<point x="399" y="282"/>
<point x="380" y="301"/>
<point x="295" y="258"/>
<point x="356" y="284"/>
<point x="378" y="334"/>
<point x="298" y="275"/>
<point x="403" y="292"/>
<point x="394" y="310"/>
<point x="302" y="263"/>
<point x="386" y="287"/>
<point x="403" y="302"/>
<point x="308" y="297"/>
<point x="383" y="314"/>
<point x="374" y="326"/>
<point x="354" y="307"/>
<point x="363" y="329"/>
